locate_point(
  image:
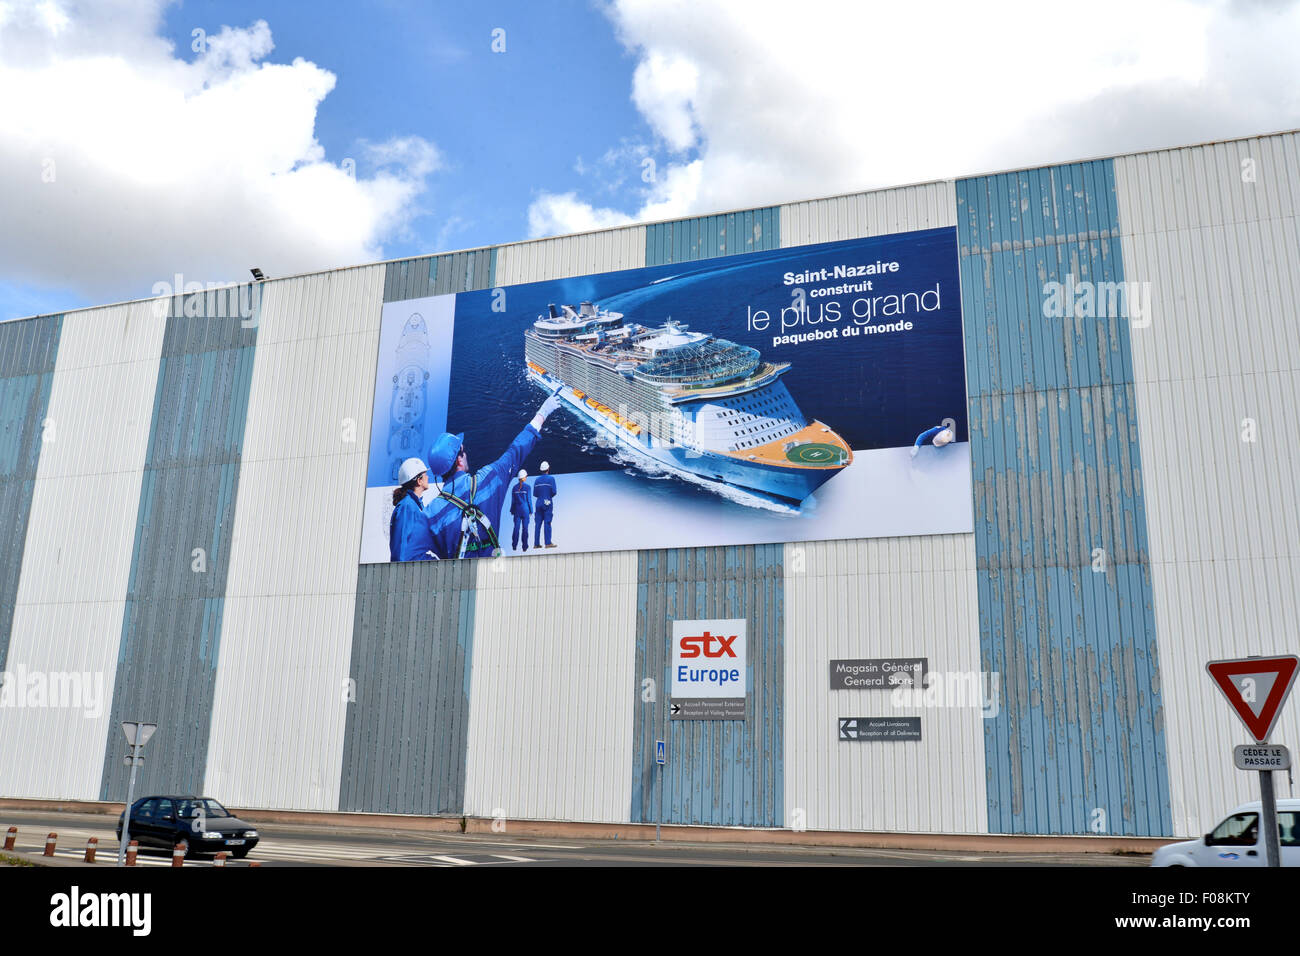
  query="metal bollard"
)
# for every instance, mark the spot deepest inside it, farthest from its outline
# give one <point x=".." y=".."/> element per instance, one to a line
<point x="178" y="854"/>
<point x="10" y="837"/>
<point x="49" y="844"/>
<point x="91" y="846"/>
<point x="132" y="849"/>
<point x="220" y="859"/>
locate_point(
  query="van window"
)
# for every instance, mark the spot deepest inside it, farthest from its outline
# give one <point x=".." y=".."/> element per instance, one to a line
<point x="1288" y="828"/>
<point x="1240" y="829"/>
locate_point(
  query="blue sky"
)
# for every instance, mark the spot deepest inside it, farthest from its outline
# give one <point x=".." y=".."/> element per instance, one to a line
<point x="505" y="123"/>
<point x="303" y="137"/>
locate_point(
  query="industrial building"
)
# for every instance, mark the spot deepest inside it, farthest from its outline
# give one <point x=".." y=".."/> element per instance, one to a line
<point x="181" y="493"/>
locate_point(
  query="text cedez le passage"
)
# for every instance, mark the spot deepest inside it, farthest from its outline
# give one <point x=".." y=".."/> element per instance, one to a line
<point x="862" y="310"/>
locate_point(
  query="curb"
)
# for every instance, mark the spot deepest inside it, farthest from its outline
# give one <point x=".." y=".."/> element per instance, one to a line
<point x="645" y="832"/>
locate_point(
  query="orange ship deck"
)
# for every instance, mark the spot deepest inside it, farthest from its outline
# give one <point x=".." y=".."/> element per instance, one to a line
<point x="803" y="449"/>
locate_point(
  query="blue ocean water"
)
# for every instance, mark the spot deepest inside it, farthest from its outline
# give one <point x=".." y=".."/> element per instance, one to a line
<point x="876" y="390"/>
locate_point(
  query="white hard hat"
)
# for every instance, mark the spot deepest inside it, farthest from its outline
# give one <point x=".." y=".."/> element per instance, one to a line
<point x="546" y="466"/>
<point x="943" y="438"/>
<point x="411" y="468"/>
<point x="522" y="474"/>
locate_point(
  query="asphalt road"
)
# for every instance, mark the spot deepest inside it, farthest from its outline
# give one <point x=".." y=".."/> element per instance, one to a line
<point x="296" y="845"/>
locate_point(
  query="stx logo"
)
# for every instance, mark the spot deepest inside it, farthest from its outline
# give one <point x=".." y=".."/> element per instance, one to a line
<point x="703" y="643"/>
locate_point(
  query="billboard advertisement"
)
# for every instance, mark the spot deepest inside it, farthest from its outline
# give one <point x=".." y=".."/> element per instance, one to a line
<point x="808" y="393"/>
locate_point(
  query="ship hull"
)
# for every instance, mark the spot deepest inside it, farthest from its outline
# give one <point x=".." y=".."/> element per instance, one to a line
<point x="791" y="485"/>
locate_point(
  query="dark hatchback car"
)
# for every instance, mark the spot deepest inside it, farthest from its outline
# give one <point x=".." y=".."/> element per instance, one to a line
<point x="204" y="824"/>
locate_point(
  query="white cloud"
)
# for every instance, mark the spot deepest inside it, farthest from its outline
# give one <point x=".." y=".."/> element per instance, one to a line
<point x="767" y="101"/>
<point x="122" y="162"/>
<point x="555" y="214"/>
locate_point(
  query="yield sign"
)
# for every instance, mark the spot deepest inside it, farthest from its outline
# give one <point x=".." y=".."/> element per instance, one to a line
<point x="1256" y="688"/>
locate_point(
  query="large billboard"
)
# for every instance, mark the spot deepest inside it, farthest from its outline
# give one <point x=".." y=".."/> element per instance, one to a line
<point x="814" y="392"/>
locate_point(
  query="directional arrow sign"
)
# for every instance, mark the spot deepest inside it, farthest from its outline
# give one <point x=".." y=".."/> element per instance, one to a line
<point x="677" y="709"/>
<point x="1256" y="688"/>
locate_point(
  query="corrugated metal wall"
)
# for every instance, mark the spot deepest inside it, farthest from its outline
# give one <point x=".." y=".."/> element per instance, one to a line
<point x="596" y="252"/>
<point x="553" y="689"/>
<point x="171" y="627"/>
<point x="719" y="772"/>
<point x="1057" y="475"/>
<point x="286" y="634"/>
<point x="879" y="213"/>
<point x="412" y="633"/>
<point x="1213" y="232"/>
<point x="27" y="353"/>
<point x="883" y="597"/>
<point x="705" y="237"/>
<point x="1063" y="415"/>
<point x="78" y="550"/>
<point x="887" y="597"/>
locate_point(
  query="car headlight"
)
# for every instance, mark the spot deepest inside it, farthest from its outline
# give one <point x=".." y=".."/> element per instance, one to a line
<point x="250" y="833"/>
<point x="211" y="836"/>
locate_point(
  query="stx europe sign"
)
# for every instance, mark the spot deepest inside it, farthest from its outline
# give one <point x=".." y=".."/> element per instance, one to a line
<point x="709" y="677"/>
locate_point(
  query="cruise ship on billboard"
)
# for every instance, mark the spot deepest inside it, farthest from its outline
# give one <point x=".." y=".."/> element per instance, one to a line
<point x="696" y="404"/>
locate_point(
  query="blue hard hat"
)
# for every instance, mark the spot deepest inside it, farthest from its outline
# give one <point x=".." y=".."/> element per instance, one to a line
<point x="444" y="451"/>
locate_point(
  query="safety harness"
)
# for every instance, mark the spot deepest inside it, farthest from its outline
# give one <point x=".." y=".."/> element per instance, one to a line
<point x="471" y="515"/>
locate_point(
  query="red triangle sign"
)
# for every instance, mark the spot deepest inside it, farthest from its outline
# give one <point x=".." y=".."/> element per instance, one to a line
<point x="1256" y="688"/>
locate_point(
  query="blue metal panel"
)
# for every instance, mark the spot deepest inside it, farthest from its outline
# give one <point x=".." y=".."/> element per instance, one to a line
<point x="720" y="773"/>
<point x="27" y="352"/>
<point x="723" y="773"/>
<point x="171" y="627"/>
<point x="1057" y="476"/>
<point x="440" y="275"/>
<point x="708" y="236"/>
<point x="406" y="737"/>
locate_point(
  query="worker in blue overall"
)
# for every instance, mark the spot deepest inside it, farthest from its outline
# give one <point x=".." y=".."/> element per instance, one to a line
<point x="466" y="512"/>
<point x="521" y="507"/>
<point x="409" y="535"/>
<point x="544" y="491"/>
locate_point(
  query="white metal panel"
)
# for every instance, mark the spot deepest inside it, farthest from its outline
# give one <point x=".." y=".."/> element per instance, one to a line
<point x="80" y="539"/>
<point x="878" y="213"/>
<point x="607" y="251"/>
<point x="1212" y="232"/>
<point x="552" y="689"/>
<point x="279" y="708"/>
<point x="882" y="597"/>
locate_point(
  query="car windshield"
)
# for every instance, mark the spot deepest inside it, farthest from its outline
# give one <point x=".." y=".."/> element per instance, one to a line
<point x="208" y="808"/>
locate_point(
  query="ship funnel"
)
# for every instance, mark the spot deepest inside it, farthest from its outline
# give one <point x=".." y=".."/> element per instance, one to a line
<point x="555" y="313"/>
<point x="588" y="309"/>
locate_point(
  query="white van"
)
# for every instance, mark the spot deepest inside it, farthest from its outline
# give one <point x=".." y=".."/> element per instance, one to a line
<point x="1236" y="841"/>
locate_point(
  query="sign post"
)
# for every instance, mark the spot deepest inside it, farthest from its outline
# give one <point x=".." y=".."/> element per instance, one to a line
<point x="660" y="756"/>
<point x="1256" y="687"/>
<point x="137" y="734"/>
